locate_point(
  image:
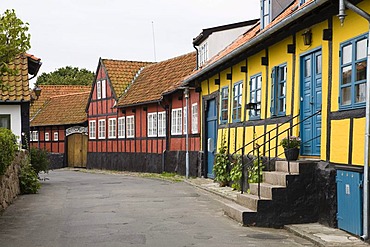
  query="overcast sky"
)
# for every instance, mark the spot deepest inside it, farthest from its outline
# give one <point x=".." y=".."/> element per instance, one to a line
<point x="78" y="32"/>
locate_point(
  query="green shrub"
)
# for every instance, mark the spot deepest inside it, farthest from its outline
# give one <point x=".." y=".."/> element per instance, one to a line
<point x="253" y="172"/>
<point x="28" y="180"/>
<point x="222" y="164"/>
<point x="39" y="160"/>
<point x="8" y="148"/>
<point x="236" y="172"/>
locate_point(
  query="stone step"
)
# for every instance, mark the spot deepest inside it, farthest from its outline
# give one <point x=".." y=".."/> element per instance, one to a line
<point x="250" y="201"/>
<point x="276" y="178"/>
<point x="239" y="213"/>
<point x="265" y="189"/>
<point x="282" y="166"/>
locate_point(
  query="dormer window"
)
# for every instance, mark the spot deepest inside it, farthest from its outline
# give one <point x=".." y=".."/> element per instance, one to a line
<point x="203" y="53"/>
<point x="265" y="13"/>
<point x="303" y="1"/>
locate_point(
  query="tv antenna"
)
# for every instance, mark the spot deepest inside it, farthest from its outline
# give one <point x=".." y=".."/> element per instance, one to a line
<point x="155" y="55"/>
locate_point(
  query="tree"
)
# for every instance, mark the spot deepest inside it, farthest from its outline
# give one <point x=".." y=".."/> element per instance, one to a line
<point x="14" y="40"/>
<point x="66" y="76"/>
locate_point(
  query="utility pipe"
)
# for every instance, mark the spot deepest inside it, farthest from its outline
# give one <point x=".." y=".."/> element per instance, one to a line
<point x="186" y="93"/>
<point x="362" y="13"/>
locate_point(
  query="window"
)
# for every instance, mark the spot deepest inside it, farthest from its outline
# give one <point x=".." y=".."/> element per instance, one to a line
<point x="35" y="136"/>
<point x="56" y="136"/>
<point x="103" y="89"/>
<point x="353" y="73"/>
<point x="255" y="95"/>
<point x="111" y="128"/>
<point x="176" y="123"/>
<point x="186" y="120"/>
<point x="194" y="118"/>
<point x="92" y="129"/>
<point x="47" y="138"/>
<point x="5" y="121"/>
<point x="31" y="138"/>
<point x="203" y="54"/>
<point x="130" y="127"/>
<point x="303" y="1"/>
<point x="224" y="104"/>
<point x="237" y="101"/>
<point x="101" y="129"/>
<point x="121" y="127"/>
<point x="265" y="13"/>
<point x="98" y="89"/>
<point x="162" y="123"/>
<point x="152" y="124"/>
<point x="278" y="90"/>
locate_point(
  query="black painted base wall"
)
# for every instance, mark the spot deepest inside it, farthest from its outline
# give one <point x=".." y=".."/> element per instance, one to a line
<point x="56" y="161"/>
<point x="170" y="161"/>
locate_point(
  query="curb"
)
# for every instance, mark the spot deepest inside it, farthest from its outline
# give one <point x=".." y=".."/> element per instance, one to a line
<point x="304" y="235"/>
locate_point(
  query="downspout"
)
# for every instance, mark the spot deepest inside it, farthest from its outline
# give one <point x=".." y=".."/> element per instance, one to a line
<point x="362" y="13"/>
<point x="196" y="48"/>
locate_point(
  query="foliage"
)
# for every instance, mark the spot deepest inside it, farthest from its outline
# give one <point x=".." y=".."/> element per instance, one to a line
<point x="222" y="164"/>
<point x="39" y="160"/>
<point x="8" y="148"/>
<point x="253" y="172"/>
<point x="66" y="76"/>
<point x="14" y="40"/>
<point x="28" y="180"/>
<point x="291" y="142"/>
<point x="236" y="172"/>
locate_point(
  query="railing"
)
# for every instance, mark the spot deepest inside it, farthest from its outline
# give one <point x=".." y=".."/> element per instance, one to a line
<point x="256" y="149"/>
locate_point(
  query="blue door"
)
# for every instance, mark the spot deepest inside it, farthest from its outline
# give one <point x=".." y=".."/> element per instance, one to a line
<point x="211" y="136"/>
<point x="349" y="196"/>
<point x="311" y="67"/>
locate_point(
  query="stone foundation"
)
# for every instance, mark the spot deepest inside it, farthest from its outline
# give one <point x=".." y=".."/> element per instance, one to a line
<point x="9" y="182"/>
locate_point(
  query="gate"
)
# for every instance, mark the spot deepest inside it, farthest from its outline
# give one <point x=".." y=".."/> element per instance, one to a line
<point x="77" y="150"/>
<point x="349" y="196"/>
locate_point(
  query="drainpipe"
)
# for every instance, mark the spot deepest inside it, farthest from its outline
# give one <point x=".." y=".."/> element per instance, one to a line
<point x="362" y="13"/>
<point x="195" y="47"/>
<point x="186" y="93"/>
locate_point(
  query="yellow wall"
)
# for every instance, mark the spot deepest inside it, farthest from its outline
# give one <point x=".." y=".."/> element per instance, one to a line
<point x="339" y="144"/>
<point x="358" y="141"/>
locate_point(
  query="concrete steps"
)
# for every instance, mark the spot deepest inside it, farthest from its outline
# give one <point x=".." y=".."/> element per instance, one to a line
<point x="266" y="189"/>
<point x="241" y="214"/>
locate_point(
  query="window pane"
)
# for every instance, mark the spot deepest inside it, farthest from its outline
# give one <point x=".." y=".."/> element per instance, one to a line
<point x="361" y="71"/>
<point x="361" y="49"/>
<point x="307" y="68"/>
<point x="253" y="84"/>
<point x="282" y="75"/>
<point x="347" y="54"/>
<point x="318" y="64"/>
<point x="346" y="75"/>
<point x="360" y="93"/>
<point x="259" y="96"/>
<point x="259" y="82"/>
<point x="346" y="96"/>
<point x="5" y="121"/>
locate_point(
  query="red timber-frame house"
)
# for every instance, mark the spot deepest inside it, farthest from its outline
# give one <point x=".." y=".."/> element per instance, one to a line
<point x="151" y="120"/>
<point x="60" y="127"/>
<point x="111" y="80"/>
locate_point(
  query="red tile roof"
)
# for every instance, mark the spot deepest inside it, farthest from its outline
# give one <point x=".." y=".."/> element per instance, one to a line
<point x="156" y="79"/>
<point x="48" y="91"/>
<point x="121" y="73"/>
<point x="63" y="110"/>
<point x="15" y="87"/>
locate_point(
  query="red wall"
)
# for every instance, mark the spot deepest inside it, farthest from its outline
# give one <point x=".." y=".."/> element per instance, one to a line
<point x="51" y="145"/>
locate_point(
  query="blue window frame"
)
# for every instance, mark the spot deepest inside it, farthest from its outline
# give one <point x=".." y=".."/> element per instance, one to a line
<point x="265" y="13"/>
<point x="237" y="101"/>
<point x="353" y="66"/>
<point x="255" y="96"/>
<point x="278" y="90"/>
<point x="303" y="1"/>
<point x="224" y="104"/>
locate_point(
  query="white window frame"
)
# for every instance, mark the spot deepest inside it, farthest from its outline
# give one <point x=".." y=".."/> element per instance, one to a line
<point x="194" y="118"/>
<point x="121" y="127"/>
<point x="161" y="124"/>
<point x="98" y="89"/>
<point x="56" y="136"/>
<point x="176" y="121"/>
<point x="35" y="135"/>
<point x="46" y="136"/>
<point x="152" y="124"/>
<point x="130" y="126"/>
<point x="101" y="127"/>
<point x="92" y="129"/>
<point x="103" y="89"/>
<point x="112" y="124"/>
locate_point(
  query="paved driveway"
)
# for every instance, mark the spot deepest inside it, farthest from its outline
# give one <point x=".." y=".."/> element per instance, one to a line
<point x="85" y="209"/>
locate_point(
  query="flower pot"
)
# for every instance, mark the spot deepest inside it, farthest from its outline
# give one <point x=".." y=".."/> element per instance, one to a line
<point x="291" y="154"/>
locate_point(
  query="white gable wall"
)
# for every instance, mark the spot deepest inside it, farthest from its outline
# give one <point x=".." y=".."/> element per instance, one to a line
<point x="15" y="118"/>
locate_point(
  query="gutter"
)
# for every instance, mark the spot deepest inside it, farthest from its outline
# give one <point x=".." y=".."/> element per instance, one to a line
<point x="266" y="34"/>
<point x="365" y="15"/>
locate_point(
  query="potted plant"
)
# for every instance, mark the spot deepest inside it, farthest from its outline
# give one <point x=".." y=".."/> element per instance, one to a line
<point x="291" y="147"/>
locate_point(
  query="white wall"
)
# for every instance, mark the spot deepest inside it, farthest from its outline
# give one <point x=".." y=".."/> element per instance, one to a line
<point x="15" y="118"/>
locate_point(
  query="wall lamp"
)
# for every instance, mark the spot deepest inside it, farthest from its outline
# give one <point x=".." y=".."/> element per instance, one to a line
<point x="37" y="92"/>
<point x="251" y="106"/>
<point x="307" y="37"/>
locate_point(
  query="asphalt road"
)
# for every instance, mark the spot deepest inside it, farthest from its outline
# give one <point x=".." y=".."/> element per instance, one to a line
<point x="86" y="209"/>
